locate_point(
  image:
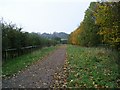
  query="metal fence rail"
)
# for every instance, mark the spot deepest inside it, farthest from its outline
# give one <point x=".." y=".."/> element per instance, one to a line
<point x="14" y="52"/>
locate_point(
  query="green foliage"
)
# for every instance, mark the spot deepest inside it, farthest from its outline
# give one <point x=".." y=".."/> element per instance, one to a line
<point x="101" y="25"/>
<point x="86" y="33"/>
<point x="89" y="36"/>
<point x="108" y="18"/>
<point x="13" y="37"/>
<point x="92" y="67"/>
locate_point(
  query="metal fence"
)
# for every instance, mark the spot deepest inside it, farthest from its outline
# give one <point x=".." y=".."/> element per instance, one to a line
<point x="14" y="52"/>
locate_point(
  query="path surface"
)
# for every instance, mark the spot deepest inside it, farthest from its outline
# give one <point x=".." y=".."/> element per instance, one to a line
<point x="39" y="75"/>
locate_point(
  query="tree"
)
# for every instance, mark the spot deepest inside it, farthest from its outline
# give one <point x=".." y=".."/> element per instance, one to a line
<point x="13" y="37"/>
<point x="108" y="18"/>
<point x="86" y="33"/>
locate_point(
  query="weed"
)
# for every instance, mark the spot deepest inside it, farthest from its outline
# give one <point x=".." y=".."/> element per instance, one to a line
<point x="92" y="67"/>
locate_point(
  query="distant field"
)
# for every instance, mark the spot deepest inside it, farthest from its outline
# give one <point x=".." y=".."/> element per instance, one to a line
<point x="92" y="67"/>
<point x="13" y="66"/>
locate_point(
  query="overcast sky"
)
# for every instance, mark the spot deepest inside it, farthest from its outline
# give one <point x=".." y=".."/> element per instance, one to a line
<point x="44" y="15"/>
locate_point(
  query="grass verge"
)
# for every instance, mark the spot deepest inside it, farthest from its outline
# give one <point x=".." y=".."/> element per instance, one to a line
<point x="92" y="67"/>
<point x="15" y="65"/>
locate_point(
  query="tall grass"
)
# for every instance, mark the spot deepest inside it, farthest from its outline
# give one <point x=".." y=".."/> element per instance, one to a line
<point x="92" y="67"/>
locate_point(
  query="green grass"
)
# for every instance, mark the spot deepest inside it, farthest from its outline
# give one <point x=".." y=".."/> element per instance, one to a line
<point x="91" y="67"/>
<point x="15" y="65"/>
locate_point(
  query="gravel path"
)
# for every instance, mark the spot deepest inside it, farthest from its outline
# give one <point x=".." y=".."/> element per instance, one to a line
<point x="40" y="74"/>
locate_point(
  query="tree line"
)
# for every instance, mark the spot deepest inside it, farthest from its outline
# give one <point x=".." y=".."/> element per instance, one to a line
<point x="14" y="37"/>
<point x="100" y="26"/>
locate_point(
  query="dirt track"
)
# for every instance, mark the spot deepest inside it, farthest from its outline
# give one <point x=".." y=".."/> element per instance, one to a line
<point x="39" y="75"/>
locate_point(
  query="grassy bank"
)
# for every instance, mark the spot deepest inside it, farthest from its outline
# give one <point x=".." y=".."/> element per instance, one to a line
<point x="15" y="65"/>
<point x="92" y="67"/>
